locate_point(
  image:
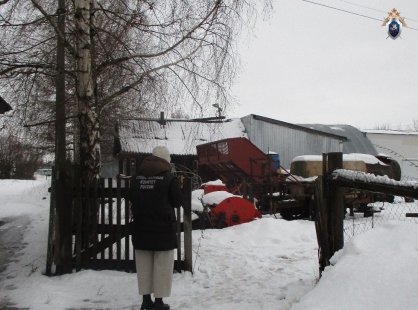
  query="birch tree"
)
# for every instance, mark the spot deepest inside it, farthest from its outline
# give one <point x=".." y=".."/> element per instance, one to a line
<point x="124" y="58"/>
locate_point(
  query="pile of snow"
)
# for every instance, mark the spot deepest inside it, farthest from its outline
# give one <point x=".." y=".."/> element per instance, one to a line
<point x="265" y="264"/>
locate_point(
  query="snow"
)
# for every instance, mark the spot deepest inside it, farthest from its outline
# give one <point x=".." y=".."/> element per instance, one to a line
<point x="266" y="264"/>
<point x="370" y="177"/>
<point x="366" y="158"/>
<point x="180" y="137"/>
<point x="391" y="132"/>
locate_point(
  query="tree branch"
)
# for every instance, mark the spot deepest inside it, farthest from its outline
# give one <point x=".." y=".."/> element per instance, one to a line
<point x="188" y="35"/>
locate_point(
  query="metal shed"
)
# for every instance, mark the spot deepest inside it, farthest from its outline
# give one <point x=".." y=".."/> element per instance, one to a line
<point x="289" y="140"/>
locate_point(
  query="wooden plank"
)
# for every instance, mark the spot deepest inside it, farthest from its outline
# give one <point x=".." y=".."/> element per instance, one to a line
<point x="110" y="214"/>
<point x="118" y="222"/>
<point x="108" y="264"/>
<point x="110" y="229"/>
<point x="87" y="220"/>
<point x="102" y="214"/>
<point x="126" y="226"/>
<point x="95" y="204"/>
<point x="179" y="244"/>
<point x="389" y="189"/>
<point x="103" y="244"/>
<point x="78" y="224"/>
<point x="411" y="214"/>
<point x="108" y="192"/>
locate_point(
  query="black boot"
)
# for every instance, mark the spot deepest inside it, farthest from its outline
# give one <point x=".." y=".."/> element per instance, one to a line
<point x="147" y="303"/>
<point x="160" y="305"/>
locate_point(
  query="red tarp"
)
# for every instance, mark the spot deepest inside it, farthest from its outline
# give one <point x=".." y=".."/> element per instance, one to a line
<point x="235" y="210"/>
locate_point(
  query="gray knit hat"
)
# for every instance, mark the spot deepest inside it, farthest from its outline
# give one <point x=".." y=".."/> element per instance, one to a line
<point x="162" y="152"/>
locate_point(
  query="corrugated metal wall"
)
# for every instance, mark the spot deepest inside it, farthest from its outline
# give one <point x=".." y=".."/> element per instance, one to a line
<point x="288" y="140"/>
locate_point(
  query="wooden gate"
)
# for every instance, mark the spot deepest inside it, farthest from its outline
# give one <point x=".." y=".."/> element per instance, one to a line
<point x="100" y="234"/>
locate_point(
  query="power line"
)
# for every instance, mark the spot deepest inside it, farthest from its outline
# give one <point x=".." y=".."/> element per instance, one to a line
<point x="350" y="12"/>
<point x="363" y="6"/>
<point x="373" y="9"/>
<point x="341" y="10"/>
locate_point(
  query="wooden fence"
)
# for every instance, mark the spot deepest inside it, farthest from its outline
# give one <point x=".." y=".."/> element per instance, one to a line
<point x="330" y="207"/>
<point x="100" y="235"/>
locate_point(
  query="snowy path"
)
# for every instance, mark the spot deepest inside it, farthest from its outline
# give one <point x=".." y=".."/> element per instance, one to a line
<point x="258" y="265"/>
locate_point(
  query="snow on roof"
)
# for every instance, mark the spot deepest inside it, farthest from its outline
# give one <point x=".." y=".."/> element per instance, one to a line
<point x="367" y="158"/>
<point x="180" y="137"/>
<point x="390" y="132"/>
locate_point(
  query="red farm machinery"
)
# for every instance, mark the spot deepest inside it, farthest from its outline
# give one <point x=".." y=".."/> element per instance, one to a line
<point x="249" y="172"/>
<point x="258" y="177"/>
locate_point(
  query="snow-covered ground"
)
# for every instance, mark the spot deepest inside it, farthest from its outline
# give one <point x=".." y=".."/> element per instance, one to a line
<point x="265" y="264"/>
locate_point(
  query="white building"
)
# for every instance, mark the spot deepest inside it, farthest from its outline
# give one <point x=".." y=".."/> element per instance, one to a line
<point x="400" y="145"/>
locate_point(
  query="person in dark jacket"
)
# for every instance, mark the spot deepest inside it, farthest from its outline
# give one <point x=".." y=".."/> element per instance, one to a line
<point x="155" y="193"/>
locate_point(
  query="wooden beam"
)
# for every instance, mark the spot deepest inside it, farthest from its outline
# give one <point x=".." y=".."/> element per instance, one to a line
<point x="397" y="188"/>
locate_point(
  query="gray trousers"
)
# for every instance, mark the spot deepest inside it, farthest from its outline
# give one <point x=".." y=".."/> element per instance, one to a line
<point x="155" y="272"/>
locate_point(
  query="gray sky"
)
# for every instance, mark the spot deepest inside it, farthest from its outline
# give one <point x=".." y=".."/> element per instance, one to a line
<point x="311" y="64"/>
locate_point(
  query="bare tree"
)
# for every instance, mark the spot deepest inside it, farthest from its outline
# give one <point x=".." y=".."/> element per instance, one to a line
<point x="124" y="58"/>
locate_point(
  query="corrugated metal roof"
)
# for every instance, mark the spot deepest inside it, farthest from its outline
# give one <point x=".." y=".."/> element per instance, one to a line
<point x="316" y="131"/>
<point x="357" y="141"/>
<point x="289" y="140"/>
<point x="180" y="137"/>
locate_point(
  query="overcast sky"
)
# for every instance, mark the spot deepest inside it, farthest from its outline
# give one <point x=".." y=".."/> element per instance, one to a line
<point x="311" y="64"/>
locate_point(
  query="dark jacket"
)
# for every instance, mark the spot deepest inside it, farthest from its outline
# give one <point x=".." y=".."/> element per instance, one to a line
<point x="154" y="193"/>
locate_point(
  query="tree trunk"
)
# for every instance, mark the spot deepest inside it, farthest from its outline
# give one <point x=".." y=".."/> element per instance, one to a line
<point x="87" y="107"/>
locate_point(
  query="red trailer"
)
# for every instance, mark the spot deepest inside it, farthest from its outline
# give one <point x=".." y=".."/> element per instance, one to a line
<point x="242" y="166"/>
<point x="234" y="161"/>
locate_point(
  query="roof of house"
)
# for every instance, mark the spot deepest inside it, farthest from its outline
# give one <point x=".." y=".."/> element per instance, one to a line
<point x="179" y="136"/>
<point x="4" y="106"/>
<point x="357" y="141"/>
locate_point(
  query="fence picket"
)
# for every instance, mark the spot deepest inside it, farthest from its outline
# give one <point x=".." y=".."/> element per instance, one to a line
<point x="127" y="233"/>
<point x="102" y="218"/>
<point x="110" y="217"/>
<point x="78" y="217"/>
<point x="118" y="224"/>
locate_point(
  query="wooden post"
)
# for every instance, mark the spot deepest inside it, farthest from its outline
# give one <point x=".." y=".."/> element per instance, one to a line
<point x="178" y="266"/>
<point x="335" y="203"/>
<point x="338" y="213"/>
<point x="321" y="225"/>
<point x="333" y="199"/>
<point x="50" y="248"/>
<point x="63" y="224"/>
<point x="187" y="221"/>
